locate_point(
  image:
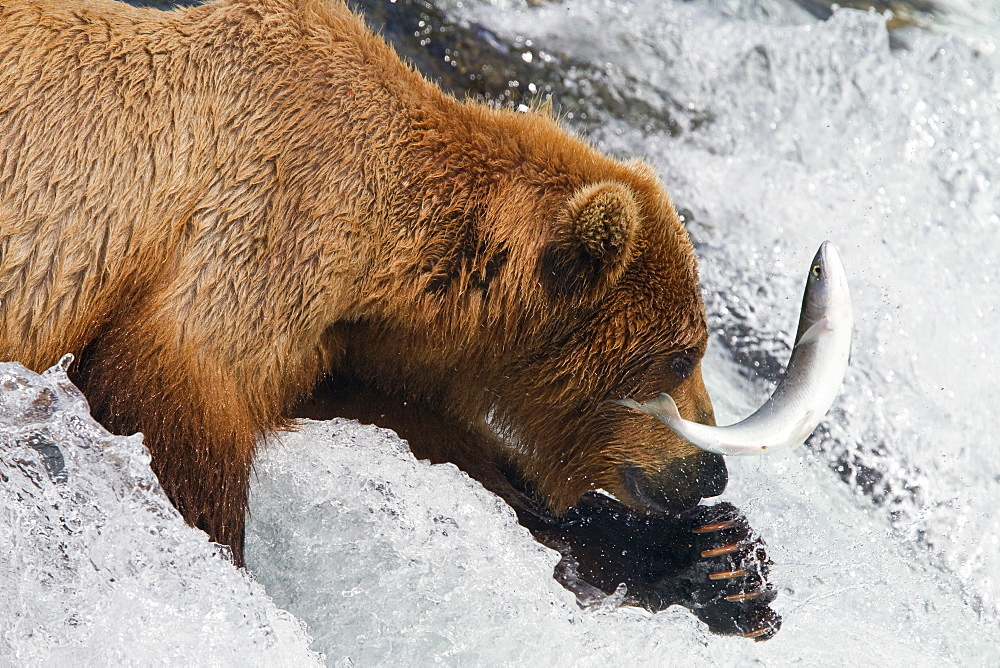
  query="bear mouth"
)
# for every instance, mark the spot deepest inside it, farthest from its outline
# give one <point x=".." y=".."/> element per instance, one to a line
<point x="651" y="494"/>
<point x="678" y="488"/>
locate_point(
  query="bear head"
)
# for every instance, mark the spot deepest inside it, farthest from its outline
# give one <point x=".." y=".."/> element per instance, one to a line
<point x="619" y="269"/>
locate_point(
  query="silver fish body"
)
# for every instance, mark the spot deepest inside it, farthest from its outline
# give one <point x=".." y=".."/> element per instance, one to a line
<point x="811" y="382"/>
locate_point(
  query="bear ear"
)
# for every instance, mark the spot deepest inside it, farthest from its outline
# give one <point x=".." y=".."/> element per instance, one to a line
<point x="593" y="241"/>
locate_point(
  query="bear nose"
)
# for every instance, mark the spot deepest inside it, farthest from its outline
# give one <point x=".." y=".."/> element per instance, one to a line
<point x="712" y="475"/>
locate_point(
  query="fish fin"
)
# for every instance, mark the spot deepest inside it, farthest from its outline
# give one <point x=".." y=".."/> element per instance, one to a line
<point x="805" y="427"/>
<point x="816" y="330"/>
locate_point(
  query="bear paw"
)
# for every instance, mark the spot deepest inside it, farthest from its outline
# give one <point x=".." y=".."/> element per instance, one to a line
<point x="707" y="559"/>
<point x="725" y="582"/>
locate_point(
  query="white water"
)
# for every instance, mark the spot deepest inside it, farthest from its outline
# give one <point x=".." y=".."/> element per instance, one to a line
<point x="96" y="566"/>
<point x="793" y="131"/>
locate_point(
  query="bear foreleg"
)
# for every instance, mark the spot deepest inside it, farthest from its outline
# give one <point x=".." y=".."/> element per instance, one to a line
<point x="194" y="419"/>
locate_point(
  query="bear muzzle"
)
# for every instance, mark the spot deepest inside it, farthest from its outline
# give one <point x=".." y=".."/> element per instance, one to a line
<point x="678" y="485"/>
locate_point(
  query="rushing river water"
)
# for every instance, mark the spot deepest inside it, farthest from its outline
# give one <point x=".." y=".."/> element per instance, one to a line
<point x="773" y="131"/>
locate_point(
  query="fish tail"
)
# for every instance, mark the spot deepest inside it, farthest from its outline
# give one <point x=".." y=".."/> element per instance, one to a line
<point x="663" y="407"/>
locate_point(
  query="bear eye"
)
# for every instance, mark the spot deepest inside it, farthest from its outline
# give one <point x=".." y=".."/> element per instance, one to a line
<point x="681" y="365"/>
<point x="665" y="373"/>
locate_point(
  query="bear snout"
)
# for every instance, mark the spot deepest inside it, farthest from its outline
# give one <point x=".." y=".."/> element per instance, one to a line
<point x="678" y="485"/>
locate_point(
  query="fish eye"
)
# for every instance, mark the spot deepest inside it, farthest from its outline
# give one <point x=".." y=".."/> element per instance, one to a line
<point x="816" y="271"/>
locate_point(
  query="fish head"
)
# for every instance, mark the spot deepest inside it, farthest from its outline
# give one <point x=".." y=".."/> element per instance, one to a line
<point x="826" y="293"/>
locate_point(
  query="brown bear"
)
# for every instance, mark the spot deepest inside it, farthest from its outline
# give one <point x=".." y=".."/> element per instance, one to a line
<point x="219" y="207"/>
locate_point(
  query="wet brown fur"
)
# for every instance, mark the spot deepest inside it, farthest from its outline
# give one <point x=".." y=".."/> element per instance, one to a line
<point x="214" y="207"/>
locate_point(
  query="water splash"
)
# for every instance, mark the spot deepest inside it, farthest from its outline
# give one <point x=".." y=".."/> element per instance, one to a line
<point x="97" y="566"/>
